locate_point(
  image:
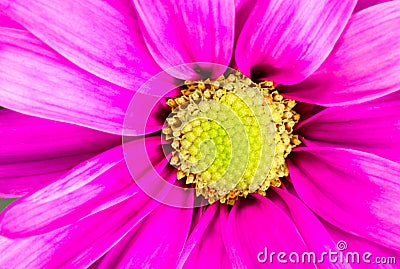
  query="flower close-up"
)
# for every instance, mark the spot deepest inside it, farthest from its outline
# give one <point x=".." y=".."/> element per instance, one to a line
<point x="200" y="134"/>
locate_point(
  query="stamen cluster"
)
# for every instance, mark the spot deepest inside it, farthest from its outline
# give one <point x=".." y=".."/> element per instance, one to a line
<point x="231" y="136"/>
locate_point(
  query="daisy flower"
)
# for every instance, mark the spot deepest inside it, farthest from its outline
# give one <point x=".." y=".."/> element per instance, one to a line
<point x="198" y="134"/>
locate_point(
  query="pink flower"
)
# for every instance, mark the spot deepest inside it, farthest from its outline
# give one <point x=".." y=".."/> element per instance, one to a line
<point x="72" y="68"/>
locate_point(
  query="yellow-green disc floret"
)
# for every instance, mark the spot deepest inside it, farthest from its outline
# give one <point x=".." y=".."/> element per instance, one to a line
<point x="227" y="139"/>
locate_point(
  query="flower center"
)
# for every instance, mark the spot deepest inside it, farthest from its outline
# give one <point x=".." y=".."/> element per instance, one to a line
<point x="231" y="136"/>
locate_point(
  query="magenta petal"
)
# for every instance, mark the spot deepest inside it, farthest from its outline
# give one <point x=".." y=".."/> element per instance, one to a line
<point x="370" y="127"/>
<point x="102" y="37"/>
<point x="365" y="64"/>
<point x="359" y="245"/>
<point x="200" y="222"/>
<point x="39" y="82"/>
<point x="352" y="190"/>
<point x="35" y="152"/>
<point x="27" y="138"/>
<point x="316" y="237"/>
<point x="78" y="245"/>
<point x="146" y="114"/>
<point x="156" y="243"/>
<point x="147" y="161"/>
<point x="94" y="185"/>
<point x="363" y="4"/>
<point x="286" y="41"/>
<point x="21" y="178"/>
<point x="178" y="32"/>
<point x="6" y="22"/>
<point x="252" y="226"/>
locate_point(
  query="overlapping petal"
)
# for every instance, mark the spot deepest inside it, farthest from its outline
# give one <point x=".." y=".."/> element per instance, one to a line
<point x="37" y="81"/>
<point x="156" y="243"/>
<point x="21" y="178"/>
<point x="352" y="190"/>
<point x="102" y="37"/>
<point x="370" y="127"/>
<point x="251" y="227"/>
<point x="314" y="234"/>
<point x="355" y="244"/>
<point x="364" y="65"/>
<point x="179" y="32"/>
<point x="78" y="245"/>
<point x="94" y="185"/>
<point x="363" y="4"/>
<point x="26" y="138"/>
<point x="34" y="151"/>
<point x="286" y="41"/>
<point x="5" y="21"/>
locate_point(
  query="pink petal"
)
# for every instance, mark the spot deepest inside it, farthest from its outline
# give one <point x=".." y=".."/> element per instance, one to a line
<point x="6" y="22"/>
<point x="93" y="186"/>
<point x="352" y="190"/>
<point x="312" y="231"/>
<point x="364" y="65"/>
<point x="286" y="41"/>
<point x="102" y="37"/>
<point x="372" y="127"/>
<point x="205" y="247"/>
<point x="363" y="4"/>
<point x="27" y="138"/>
<point x="21" y="178"/>
<point x="200" y="221"/>
<point x="147" y="111"/>
<point x="156" y="243"/>
<point x="243" y="10"/>
<point x="147" y="162"/>
<point x="359" y="245"/>
<point x="240" y="3"/>
<point x="39" y="82"/>
<point x="254" y="225"/>
<point x="35" y="152"/>
<point x="78" y="245"/>
<point x="179" y="32"/>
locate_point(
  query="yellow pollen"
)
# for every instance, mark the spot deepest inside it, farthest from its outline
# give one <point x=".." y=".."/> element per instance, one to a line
<point x="231" y="136"/>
